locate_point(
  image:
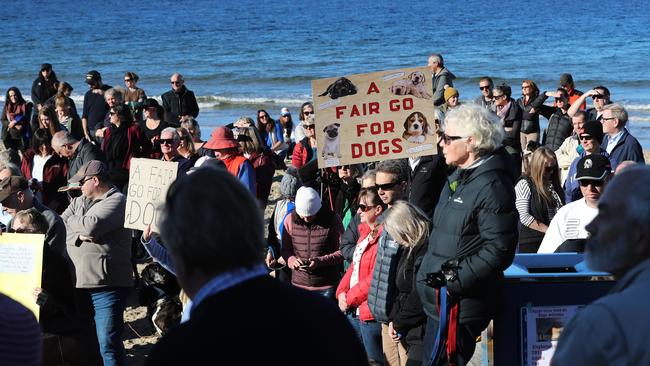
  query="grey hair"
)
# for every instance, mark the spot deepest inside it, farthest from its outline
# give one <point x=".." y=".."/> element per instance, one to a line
<point x="173" y="131"/>
<point x="10" y="156"/>
<point x="116" y="93"/>
<point x="407" y="223"/>
<point x="618" y="112"/>
<point x="192" y="122"/>
<point x="13" y="168"/>
<point x="479" y="123"/>
<point x="63" y="138"/>
<point x="437" y="58"/>
<point x="397" y="167"/>
<point x="369" y="174"/>
<point x="203" y="223"/>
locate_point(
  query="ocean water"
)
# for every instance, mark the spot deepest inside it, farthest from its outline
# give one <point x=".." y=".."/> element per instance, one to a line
<point x="240" y="56"/>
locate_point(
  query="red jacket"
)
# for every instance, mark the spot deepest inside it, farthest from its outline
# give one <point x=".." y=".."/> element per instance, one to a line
<point x="357" y="296"/>
<point x="302" y="153"/>
<point x="55" y="175"/>
<point x="139" y="145"/>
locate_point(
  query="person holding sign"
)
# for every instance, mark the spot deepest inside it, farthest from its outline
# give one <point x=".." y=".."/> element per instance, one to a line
<point x="473" y="239"/>
<point x="100" y="249"/>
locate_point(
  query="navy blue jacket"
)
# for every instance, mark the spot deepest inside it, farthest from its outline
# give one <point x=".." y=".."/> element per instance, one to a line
<point x="628" y="148"/>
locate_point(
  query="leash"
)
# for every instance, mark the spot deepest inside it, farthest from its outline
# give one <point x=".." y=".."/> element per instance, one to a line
<point x="446" y="336"/>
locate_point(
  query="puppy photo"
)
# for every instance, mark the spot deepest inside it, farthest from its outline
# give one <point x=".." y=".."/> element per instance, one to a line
<point x="332" y="145"/>
<point x="416" y="128"/>
<point x="413" y="84"/>
<point x="340" y="88"/>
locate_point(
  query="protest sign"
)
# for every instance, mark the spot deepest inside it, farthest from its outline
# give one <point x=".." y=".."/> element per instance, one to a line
<point x="149" y="180"/>
<point x="21" y="266"/>
<point x="375" y="116"/>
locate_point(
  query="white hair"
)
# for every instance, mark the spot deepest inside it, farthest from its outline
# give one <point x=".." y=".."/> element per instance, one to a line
<point x="479" y="123"/>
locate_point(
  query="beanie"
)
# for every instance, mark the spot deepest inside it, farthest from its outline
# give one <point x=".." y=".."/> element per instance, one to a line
<point x="307" y="202"/>
<point x="450" y="92"/>
<point x="594" y="129"/>
<point x="290" y="183"/>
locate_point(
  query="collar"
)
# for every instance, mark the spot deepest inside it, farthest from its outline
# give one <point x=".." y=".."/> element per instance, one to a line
<point x="226" y="280"/>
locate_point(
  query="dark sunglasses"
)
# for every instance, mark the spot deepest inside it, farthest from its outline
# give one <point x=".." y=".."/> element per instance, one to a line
<point x="484" y="87"/>
<point x="127" y="80"/>
<point x="310" y="126"/>
<point x="166" y="141"/>
<point x="586" y="182"/>
<point x="386" y="186"/>
<point x="586" y="138"/>
<point x="307" y="113"/>
<point x="365" y="208"/>
<point x="599" y="96"/>
<point x="448" y="139"/>
<point x="499" y="96"/>
<point x="85" y="179"/>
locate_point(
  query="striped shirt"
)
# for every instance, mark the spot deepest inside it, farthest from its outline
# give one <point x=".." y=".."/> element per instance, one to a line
<point x="522" y="190"/>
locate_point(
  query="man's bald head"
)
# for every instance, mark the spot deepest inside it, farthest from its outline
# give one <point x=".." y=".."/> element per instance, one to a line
<point x="621" y="231"/>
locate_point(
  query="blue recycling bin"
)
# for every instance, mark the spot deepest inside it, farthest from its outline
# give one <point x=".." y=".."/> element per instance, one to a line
<point x="539" y="291"/>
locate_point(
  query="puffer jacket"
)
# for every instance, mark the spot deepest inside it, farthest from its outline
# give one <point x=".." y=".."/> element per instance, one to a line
<point x="476" y="224"/>
<point x="559" y="128"/>
<point x="357" y="295"/>
<point x="383" y="288"/>
<point x="317" y="239"/>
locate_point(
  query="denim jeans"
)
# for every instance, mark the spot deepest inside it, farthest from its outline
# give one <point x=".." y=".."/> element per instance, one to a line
<point x="369" y="333"/>
<point x="109" y="304"/>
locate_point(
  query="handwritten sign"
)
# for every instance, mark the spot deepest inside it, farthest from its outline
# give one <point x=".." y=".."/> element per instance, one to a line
<point x="21" y="266"/>
<point x="375" y="116"/>
<point x="149" y="180"/>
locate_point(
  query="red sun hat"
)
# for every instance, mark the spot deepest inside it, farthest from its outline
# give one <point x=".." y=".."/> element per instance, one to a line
<point x="221" y="138"/>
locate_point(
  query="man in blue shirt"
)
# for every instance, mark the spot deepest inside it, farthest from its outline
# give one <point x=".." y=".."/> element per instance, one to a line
<point x="618" y="142"/>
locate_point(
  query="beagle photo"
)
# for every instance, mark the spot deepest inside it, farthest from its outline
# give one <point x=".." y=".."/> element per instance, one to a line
<point x="416" y="128"/>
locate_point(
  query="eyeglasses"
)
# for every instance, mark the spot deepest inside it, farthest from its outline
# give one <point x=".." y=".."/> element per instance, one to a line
<point x="306" y="113"/>
<point x="127" y="80"/>
<point x="525" y="86"/>
<point x="85" y="179"/>
<point x="586" y="138"/>
<point x="262" y="116"/>
<point x="386" y="186"/>
<point x="499" y="96"/>
<point x="484" y="87"/>
<point x="177" y="82"/>
<point x="599" y="96"/>
<point x="448" y="139"/>
<point x="311" y="127"/>
<point x="608" y="118"/>
<point x="166" y="141"/>
<point x="593" y="182"/>
<point x="365" y="208"/>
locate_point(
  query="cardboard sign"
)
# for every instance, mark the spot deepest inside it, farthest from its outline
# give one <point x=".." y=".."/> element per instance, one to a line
<point x="21" y="267"/>
<point x="149" y="180"/>
<point x="376" y="116"/>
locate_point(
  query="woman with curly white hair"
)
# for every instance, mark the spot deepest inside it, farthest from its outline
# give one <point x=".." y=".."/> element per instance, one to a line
<point x="473" y="239"/>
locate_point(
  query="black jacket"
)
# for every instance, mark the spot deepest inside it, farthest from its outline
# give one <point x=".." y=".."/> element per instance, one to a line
<point x="530" y="121"/>
<point x="42" y="90"/>
<point x="180" y="103"/>
<point x="407" y="310"/>
<point x="513" y="120"/>
<point x="236" y="324"/>
<point x="427" y="181"/>
<point x="475" y="224"/>
<point x="559" y="127"/>
<point x="95" y="109"/>
<point x="350" y="238"/>
<point x="85" y="152"/>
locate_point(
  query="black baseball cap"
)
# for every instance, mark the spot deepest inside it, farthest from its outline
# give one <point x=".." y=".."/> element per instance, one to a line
<point x="593" y="167"/>
<point x="93" y="76"/>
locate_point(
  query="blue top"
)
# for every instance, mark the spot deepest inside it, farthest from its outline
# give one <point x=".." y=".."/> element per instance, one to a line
<point x="246" y="176"/>
<point x="278" y="135"/>
<point x="626" y="148"/>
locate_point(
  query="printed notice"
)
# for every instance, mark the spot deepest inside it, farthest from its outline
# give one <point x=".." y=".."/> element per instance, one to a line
<point x="541" y="329"/>
<point x="21" y="265"/>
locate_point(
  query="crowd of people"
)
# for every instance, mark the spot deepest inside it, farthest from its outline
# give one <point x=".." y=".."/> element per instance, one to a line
<point x="411" y="251"/>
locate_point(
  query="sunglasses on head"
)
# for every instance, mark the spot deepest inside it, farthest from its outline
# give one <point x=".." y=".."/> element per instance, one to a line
<point x="593" y="182"/>
<point x="166" y="141"/>
<point x="386" y="186"/>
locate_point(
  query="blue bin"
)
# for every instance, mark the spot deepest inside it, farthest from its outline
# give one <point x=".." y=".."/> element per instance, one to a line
<point x="539" y="280"/>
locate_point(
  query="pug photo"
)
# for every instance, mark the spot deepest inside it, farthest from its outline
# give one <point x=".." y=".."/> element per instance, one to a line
<point x="332" y="141"/>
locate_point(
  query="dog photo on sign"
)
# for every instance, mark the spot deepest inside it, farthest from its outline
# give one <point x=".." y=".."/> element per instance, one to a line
<point x="340" y="88"/>
<point x="332" y="143"/>
<point x="412" y="84"/>
<point x="416" y="128"/>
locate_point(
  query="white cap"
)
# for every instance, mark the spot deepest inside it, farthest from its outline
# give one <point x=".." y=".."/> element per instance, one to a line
<point x="307" y="202"/>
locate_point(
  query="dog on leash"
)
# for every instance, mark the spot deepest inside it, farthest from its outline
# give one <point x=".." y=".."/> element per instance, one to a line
<point x="340" y="88"/>
<point x="416" y="128"/>
<point x="332" y="146"/>
<point x="159" y="293"/>
<point x="413" y="84"/>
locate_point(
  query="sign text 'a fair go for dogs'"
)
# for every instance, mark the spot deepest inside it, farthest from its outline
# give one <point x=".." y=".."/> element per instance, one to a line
<point x="149" y="180"/>
<point x="376" y="116"/>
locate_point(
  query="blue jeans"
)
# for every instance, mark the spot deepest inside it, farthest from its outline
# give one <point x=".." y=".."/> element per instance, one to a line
<point x="369" y="333"/>
<point x="109" y="304"/>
